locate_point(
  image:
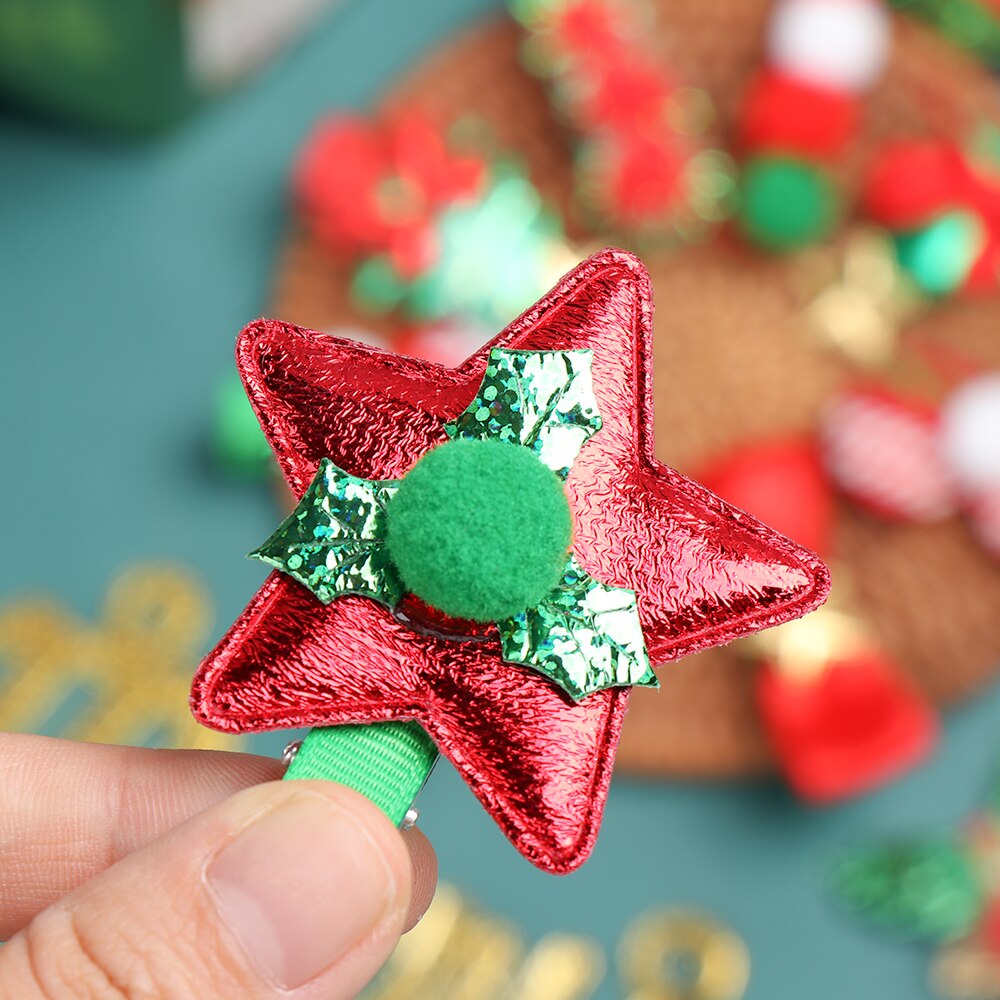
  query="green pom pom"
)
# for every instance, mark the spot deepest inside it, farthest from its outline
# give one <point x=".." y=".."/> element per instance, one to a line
<point x="785" y="203"/>
<point x="479" y="529"/>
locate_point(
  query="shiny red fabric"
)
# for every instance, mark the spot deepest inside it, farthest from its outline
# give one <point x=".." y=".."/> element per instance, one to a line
<point x="703" y="572"/>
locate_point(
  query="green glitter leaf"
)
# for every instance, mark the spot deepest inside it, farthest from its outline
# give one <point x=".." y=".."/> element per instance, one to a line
<point x="585" y="636"/>
<point x="334" y="541"/>
<point x="923" y="889"/>
<point x="543" y="400"/>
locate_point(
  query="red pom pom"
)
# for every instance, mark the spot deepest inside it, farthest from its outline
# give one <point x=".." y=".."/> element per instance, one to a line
<point x="883" y="452"/>
<point x="846" y="730"/>
<point x="911" y="182"/>
<point x="785" y="115"/>
<point x="783" y="483"/>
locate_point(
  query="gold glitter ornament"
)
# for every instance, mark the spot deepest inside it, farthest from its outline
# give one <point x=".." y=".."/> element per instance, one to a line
<point x="122" y="680"/>
<point x="676" y="954"/>
<point x="462" y="952"/>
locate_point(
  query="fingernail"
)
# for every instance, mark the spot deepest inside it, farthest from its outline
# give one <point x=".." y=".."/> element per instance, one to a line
<point x="300" y="887"/>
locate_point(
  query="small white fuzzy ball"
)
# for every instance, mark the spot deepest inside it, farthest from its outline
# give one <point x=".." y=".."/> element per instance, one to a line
<point x="970" y="433"/>
<point x="838" y="44"/>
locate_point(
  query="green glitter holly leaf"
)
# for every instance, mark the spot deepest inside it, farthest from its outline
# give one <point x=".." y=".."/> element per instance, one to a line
<point x="334" y="541"/>
<point x="925" y="889"/>
<point x="542" y="400"/>
<point x="585" y="636"/>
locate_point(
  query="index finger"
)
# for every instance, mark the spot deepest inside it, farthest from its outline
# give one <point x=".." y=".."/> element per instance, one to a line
<point x="70" y="810"/>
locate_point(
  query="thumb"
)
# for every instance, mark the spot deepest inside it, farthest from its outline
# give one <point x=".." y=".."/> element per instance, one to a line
<point x="286" y="889"/>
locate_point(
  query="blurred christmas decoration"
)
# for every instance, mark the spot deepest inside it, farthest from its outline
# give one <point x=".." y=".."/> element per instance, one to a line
<point x="431" y="233"/>
<point x="462" y="952"/>
<point x="677" y="954"/>
<point x="837" y="710"/>
<point x="859" y="299"/>
<point x="752" y="350"/>
<point x="238" y="444"/>
<point x="941" y="200"/>
<point x="881" y="450"/>
<point x="800" y="113"/>
<point x="942" y="890"/>
<point x="642" y="168"/>
<point x="123" y="679"/>
<point x="904" y="459"/>
<point x="140" y="65"/>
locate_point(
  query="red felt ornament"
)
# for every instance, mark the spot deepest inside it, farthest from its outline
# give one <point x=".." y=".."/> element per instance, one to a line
<point x="540" y="762"/>
<point x="847" y="729"/>
<point x="628" y="96"/>
<point x="640" y="180"/>
<point x="786" y="115"/>
<point x="912" y="181"/>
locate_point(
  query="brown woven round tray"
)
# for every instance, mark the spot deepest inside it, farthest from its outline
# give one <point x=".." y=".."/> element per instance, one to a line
<point x="735" y="359"/>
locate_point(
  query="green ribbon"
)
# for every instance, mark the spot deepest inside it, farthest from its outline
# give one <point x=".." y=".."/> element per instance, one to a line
<point x="388" y="762"/>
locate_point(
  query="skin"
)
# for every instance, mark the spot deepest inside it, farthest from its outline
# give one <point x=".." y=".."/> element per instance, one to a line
<point x="128" y="873"/>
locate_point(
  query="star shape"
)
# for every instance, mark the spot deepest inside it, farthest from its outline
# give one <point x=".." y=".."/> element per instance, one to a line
<point x="703" y="572"/>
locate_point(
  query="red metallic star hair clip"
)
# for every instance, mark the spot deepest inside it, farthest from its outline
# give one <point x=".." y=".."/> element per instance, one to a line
<point x="483" y="560"/>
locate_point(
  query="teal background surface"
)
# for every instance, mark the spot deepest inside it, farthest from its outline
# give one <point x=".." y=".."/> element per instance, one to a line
<point x="125" y="273"/>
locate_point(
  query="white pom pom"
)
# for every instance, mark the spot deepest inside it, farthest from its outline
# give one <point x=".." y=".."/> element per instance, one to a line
<point x="838" y="44"/>
<point x="970" y="433"/>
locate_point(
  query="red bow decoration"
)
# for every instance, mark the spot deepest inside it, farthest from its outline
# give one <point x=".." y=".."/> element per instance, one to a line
<point x="703" y="572"/>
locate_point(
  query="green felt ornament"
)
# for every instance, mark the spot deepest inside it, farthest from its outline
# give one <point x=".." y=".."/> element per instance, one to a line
<point x="785" y="203"/>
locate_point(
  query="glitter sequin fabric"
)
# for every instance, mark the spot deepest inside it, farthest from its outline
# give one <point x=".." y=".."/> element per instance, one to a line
<point x="585" y="635"/>
<point x="542" y="400"/>
<point x="334" y="541"/>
